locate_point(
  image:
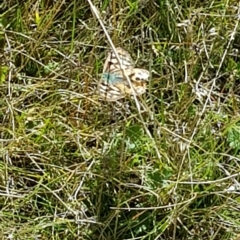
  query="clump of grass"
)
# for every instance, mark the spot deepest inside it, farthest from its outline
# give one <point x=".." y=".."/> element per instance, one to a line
<point x="74" y="167"/>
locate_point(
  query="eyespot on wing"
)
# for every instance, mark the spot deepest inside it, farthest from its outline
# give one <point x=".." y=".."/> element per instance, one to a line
<point x="140" y="74"/>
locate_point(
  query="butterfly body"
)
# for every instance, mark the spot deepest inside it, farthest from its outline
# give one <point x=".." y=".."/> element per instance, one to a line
<point x="114" y="82"/>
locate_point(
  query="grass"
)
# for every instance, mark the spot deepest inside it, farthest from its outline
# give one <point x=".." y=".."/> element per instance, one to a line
<point x="162" y="166"/>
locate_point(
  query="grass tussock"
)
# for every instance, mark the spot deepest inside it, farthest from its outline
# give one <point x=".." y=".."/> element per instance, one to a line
<point x="162" y="166"/>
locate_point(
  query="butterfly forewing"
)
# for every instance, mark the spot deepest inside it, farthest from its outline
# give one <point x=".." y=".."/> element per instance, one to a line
<point x="112" y="64"/>
<point x="114" y="84"/>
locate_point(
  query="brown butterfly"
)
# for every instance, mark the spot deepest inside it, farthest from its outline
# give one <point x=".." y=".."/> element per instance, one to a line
<point x="114" y="84"/>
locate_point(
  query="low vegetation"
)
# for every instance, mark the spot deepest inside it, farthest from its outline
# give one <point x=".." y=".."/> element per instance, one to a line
<point x="162" y="166"/>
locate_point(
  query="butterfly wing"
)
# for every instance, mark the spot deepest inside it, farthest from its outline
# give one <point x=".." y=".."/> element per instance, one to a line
<point x="112" y="76"/>
<point x="109" y="86"/>
<point x="138" y="77"/>
<point x="112" y="64"/>
<point x="114" y="84"/>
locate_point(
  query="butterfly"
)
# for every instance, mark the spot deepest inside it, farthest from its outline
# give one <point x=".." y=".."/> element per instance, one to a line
<point x="114" y="84"/>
